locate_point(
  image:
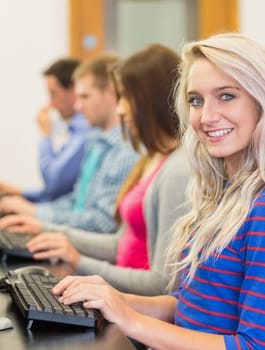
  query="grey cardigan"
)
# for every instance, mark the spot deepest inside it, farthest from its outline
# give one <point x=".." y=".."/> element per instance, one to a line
<point x="162" y="206"/>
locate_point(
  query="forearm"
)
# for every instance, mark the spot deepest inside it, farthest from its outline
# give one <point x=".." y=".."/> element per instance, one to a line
<point x="102" y="246"/>
<point x="45" y="154"/>
<point x="94" y="219"/>
<point x="56" y="212"/>
<point x="60" y="213"/>
<point x="33" y="196"/>
<point x="152" y="324"/>
<point x="48" y="226"/>
<point x="159" y="307"/>
<point x="127" y="280"/>
<point x="65" y="165"/>
<point x="165" y="336"/>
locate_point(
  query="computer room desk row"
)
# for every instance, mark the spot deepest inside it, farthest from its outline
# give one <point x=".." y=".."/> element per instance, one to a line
<point x="45" y="335"/>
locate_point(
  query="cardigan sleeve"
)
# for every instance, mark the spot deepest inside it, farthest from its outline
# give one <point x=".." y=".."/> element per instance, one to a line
<point x="97" y="246"/>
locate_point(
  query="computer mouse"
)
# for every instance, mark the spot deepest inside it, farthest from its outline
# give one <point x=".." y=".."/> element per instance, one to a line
<point x="5" y="323"/>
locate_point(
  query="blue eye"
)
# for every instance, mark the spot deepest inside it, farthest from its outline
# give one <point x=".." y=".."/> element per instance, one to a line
<point x="195" y="101"/>
<point x="227" y="97"/>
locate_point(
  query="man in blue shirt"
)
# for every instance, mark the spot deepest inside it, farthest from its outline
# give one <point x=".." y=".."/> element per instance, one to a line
<point x="60" y="151"/>
<point x="107" y="161"/>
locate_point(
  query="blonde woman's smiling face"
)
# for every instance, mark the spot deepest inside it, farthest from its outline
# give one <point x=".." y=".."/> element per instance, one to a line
<point x="221" y="112"/>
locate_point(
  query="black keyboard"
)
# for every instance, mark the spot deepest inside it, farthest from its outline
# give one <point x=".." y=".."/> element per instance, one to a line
<point x="30" y="288"/>
<point x="15" y="243"/>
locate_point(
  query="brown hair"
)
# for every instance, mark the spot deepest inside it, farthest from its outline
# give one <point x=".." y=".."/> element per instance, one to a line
<point x="146" y="80"/>
<point x="98" y="66"/>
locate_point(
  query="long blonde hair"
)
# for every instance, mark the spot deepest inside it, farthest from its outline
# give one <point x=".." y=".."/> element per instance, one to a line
<point x="208" y="229"/>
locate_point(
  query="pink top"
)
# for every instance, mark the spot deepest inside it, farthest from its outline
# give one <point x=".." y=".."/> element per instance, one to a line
<point x="132" y="247"/>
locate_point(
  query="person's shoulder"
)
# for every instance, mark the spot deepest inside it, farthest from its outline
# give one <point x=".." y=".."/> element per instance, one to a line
<point x="92" y="137"/>
<point x="177" y="163"/>
<point x="119" y="145"/>
<point x="259" y="200"/>
<point x="258" y="205"/>
<point x="112" y="137"/>
<point x="95" y="134"/>
<point x="174" y="174"/>
<point x="254" y="225"/>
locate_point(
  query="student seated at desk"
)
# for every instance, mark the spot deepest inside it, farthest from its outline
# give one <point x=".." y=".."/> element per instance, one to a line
<point x="59" y="161"/>
<point x="219" y="246"/>
<point x="132" y="259"/>
<point x="107" y="159"/>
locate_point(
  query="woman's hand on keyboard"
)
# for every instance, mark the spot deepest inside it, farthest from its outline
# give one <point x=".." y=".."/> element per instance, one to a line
<point x="50" y="245"/>
<point x="96" y="293"/>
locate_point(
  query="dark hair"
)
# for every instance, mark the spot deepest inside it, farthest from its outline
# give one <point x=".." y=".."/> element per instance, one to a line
<point x="147" y="80"/>
<point x="63" y="70"/>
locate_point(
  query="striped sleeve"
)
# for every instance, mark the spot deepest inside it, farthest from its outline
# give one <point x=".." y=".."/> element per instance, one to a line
<point x="250" y="243"/>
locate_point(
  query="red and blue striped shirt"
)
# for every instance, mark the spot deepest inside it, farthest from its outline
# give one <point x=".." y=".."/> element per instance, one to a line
<point x="227" y="294"/>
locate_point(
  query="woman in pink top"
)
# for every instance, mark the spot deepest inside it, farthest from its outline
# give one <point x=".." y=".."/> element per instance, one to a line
<point x="132" y="247"/>
<point x="132" y="259"/>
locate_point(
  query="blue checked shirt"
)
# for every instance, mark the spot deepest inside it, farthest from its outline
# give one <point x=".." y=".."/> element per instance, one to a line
<point x="116" y="161"/>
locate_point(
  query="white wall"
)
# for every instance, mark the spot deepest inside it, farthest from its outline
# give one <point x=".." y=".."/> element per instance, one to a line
<point x="33" y="33"/>
<point x="251" y="17"/>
